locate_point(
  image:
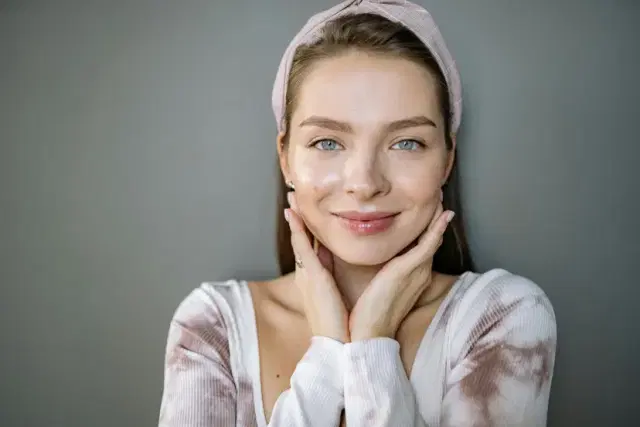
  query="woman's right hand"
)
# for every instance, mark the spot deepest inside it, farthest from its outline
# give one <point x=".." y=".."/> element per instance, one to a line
<point x="323" y="304"/>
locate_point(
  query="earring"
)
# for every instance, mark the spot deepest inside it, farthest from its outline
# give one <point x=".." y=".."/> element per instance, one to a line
<point x="290" y="185"/>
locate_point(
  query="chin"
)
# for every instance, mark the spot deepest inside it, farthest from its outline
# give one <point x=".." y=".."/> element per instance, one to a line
<point x="365" y="253"/>
<point x="368" y="250"/>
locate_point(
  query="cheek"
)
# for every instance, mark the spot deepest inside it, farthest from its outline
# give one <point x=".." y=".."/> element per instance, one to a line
<point x="420" y="181"/>
<point x="313" y="175"/>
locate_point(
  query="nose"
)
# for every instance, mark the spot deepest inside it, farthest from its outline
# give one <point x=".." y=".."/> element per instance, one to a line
<point x="364" y="176"/>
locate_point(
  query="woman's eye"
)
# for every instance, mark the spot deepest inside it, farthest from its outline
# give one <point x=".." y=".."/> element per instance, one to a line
<point x="327" y="145"/>
<point x="407" y="144"/>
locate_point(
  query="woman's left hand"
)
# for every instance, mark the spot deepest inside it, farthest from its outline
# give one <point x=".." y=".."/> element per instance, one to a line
<point x="396" y="288"/>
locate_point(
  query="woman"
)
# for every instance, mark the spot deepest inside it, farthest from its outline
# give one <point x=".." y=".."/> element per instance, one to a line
<point x="378" y="318"/>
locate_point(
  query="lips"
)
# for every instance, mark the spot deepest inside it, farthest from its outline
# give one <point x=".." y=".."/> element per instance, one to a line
<point x="366" y="223"/>
<point x="364" y="216"/>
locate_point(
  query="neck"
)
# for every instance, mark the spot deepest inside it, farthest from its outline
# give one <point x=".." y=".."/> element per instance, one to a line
<point x="352" y="280"/>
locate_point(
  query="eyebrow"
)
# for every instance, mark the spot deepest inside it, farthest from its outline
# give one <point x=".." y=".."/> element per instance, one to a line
<point x="338" y="126"/>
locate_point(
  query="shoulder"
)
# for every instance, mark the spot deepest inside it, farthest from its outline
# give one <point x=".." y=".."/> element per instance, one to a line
<point x="501" y="306"/>
<point x="499" y="285"/>
<point x="208" y="301"/>
<point x="203" y="317"/>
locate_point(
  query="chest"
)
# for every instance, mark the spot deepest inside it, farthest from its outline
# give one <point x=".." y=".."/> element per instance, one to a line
<point x="283" y="341"/>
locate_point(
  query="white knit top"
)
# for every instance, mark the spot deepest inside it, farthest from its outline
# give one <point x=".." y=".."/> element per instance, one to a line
<point x="486" y="359"/>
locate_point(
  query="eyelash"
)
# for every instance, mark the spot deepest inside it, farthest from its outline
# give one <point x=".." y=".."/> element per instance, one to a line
<point x="315" y="144"/>
<point x="420" y="145"/>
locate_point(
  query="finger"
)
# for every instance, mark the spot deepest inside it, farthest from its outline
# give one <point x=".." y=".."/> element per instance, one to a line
<point x="430" y="240"/>
<point x="420" y="249"/>
<point x="324" y="255"/>
<point x="293" y="203"/>
<point x="436" y="215"/>
<point x="291" y="199"/>
<point x="432" y="223"/>
<point x="300" y="242"/>
<point x="413" y="250"/>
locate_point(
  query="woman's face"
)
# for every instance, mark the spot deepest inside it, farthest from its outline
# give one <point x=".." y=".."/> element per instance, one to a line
<point x="367" y="155"/>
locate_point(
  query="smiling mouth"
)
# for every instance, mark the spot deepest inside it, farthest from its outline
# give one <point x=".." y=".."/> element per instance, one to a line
<point x="365" y="224"/>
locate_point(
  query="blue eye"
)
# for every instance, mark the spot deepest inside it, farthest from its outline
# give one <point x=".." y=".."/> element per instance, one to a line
<point x="327" y="145"/>
<point x="408" y="144"/>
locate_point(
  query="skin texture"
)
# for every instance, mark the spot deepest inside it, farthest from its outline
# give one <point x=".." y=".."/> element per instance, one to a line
<point x="366" y="135"/>
<point x="366" y="93"/>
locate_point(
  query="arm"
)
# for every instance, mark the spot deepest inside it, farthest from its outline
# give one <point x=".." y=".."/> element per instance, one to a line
<point x="504" y="376"/>
<point x="315" y="397"/>
<point x="200" y="390"/>
<point x="377" y="391"/>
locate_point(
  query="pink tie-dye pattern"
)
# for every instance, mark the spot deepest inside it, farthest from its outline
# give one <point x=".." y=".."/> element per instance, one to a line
<point x="495" y="338"/>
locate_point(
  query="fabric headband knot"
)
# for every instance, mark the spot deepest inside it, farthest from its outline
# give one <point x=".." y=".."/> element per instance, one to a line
<point x="413" y="17"/>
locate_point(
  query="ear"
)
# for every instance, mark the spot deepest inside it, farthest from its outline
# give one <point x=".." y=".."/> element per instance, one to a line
<point x="282" y="155"/>
<point x="451" y="156"/>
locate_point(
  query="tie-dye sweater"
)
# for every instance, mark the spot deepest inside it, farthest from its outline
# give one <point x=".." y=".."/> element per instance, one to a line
<point x="486" y="359"/>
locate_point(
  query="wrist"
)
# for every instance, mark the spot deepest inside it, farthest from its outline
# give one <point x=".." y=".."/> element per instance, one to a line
<point x="340" y="337"/>
<point x="370" y="333"/>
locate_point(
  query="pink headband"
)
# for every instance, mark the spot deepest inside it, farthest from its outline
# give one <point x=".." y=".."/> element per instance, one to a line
<point x="412" y="16"/>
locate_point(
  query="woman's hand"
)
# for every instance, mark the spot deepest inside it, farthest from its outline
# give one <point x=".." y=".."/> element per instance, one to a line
<point x="323" y="305"/>
<point x="396" y="288"/>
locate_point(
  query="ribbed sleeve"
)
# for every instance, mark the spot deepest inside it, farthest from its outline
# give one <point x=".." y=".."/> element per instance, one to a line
<point x="315" y="397"/>
<point x="200" y="391"/>
<point x="488" y="361"/>
<point x="502" y="375"/>
<point x="377" y="390"/>
<point x="502" y="354"/>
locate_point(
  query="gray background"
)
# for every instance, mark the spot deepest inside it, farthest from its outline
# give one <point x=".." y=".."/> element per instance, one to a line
<point x="137" y="159"/>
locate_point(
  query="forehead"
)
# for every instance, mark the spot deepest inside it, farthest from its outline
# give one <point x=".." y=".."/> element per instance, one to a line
<point x="361" y="88"/>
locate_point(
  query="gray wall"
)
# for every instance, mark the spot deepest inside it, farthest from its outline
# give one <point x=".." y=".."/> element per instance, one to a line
<point x="125" y="129"/>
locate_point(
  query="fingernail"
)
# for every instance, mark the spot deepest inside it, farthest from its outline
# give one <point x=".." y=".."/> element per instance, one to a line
<point x="450" y="216"/>
<point x="289" y="197"/>
<point x="287" y="215"/>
